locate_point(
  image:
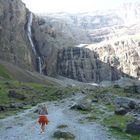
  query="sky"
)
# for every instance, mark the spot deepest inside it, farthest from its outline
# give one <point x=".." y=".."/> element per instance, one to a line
<point x="72" y="6"/>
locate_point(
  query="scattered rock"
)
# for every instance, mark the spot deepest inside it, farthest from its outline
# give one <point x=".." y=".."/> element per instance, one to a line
<point x="95" y="100"/>
<point x="132" y="89"/>
<point x="14" y="94"/>
<point x="125" y="102"/>
<point x="16" y="105"/>
<point x="62" y="134"/>
<point x="133" y="127"/>
<point x="20" y="124"/>
<point x="132" y="105"/>
<point x="116" y="127"/>
<point x="116" y="86"/>
<point x="106" y="98"/>
<point x="3" y="108"/>
<point x="9" y="127"/>
<point x="62" y="126"/>
<point x="121" y="111"/>
<point x="83" y="92"/>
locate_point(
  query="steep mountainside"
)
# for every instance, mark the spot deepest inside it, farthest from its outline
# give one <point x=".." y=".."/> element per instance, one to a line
<point x="96" y="46"/>
<point x="14" y="44"/>
<point x="114" y="52"/>
<point x="103" y="62"/>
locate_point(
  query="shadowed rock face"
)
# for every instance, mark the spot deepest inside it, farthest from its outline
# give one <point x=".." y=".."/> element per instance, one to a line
<point x="14" y="44"/>
<point x="84" y="65"/>
<point x="98" y="63"/>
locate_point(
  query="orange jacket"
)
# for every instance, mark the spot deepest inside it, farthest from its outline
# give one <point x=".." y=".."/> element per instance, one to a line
<point x="43" y="119"/>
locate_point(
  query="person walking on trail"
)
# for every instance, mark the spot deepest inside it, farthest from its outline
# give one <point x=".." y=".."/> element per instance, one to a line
<point x="43" y="119"/>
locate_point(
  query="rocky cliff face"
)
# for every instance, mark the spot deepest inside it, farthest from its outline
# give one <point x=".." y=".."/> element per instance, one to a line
<point x="14" y="44"/>
<point x="99" y="63"/>
<point x="52" y="34"/>
<point x="51" y="42"/>
<point x="85" y="65"/>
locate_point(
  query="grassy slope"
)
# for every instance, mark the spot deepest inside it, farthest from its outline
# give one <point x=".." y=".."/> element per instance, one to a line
<point x="33" y="86"/>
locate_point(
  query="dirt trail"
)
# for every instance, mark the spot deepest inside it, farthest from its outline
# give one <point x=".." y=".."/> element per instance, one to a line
<point x="24" y="127"/>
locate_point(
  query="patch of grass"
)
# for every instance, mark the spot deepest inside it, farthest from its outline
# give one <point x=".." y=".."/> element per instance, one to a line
<point x="121" y="121"/>
<point x="8" y="113"/>
<point x="4" y="73"/>
<point x="112" y="90"/>
<point x="110" y="107"/>
<point x="92" y="117"/>
<point x="123" y="136"/>
<point x="62" y="126"/>
<point x="34" y="93"/>
<point x="83" y="111"/>
<point x="118" y="119"/>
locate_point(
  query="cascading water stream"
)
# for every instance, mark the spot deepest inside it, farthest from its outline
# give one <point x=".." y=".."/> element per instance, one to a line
<point x="29" y="33"/>
<point x="29" y="26"/>
<point x="39" y="65"/>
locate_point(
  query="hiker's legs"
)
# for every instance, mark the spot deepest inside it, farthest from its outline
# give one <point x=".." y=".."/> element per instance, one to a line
<point x="43" y="127"/>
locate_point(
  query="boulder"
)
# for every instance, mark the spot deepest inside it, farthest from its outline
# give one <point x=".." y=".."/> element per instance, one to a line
<point x="121" y="111"/>
<point x="16" y="105"/>
<point x="132" y="105"/>
<point x="62" y="134"/>
<point x="107" y="98"/>
<point x="83" y="104"/>
<point x="133" y="127"/>
<point x="125" y="102"/>
<point x="132" y="89"/>
<point x="3" y="108"/>
<point x="94" y="100"/>
<point x="15" y="94"/>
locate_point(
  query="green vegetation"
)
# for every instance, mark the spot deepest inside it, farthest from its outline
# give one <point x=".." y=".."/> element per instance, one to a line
<point x="117" y="125"/>
<point x="4" y="73"/>
<point x="33" y="93"/>
<point x="103" y="111"/>
<point x="113" y="90"/>
<point x="62" y="126"/>
<point x="123" y="120"/>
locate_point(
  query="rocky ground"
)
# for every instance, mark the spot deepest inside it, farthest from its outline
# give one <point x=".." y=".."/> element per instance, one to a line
<point x="64" y="122"/>
<point x="76" y="111"/>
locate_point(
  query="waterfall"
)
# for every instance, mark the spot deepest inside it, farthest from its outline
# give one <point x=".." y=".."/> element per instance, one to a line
<point x="29" y="26"/>
<point x="39" y="65"/>
<point x="29" y="33"/>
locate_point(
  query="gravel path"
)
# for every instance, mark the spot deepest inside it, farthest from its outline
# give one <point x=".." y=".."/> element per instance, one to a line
<point x="24" y="127"/>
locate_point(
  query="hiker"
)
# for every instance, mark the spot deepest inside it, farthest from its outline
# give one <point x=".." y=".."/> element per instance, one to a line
<point x="43" y="119"/>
